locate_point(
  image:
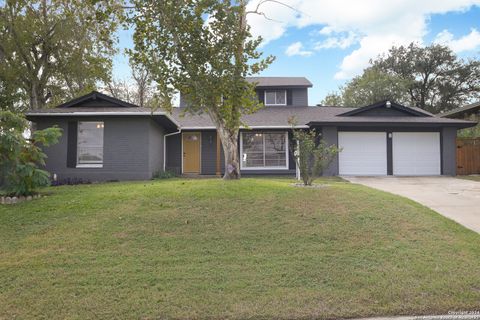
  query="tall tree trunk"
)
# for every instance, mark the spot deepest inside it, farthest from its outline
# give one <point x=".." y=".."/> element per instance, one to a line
<point x="229" y="139"/>
<point x="229" y="133"/>
<point x="35" y="98"/>
<point x="230" y="150"/>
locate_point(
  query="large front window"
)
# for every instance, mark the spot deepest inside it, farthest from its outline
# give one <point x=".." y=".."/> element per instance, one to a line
<point x="264" y="150"/>
<point x="90" y="144"/>
<point x="275" y="97"/>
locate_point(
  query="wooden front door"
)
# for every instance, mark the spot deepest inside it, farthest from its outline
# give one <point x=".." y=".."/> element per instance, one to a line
<point x="191" y="152"/>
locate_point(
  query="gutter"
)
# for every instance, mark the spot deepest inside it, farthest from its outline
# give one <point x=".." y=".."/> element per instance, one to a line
<point x="249" y="127"/>
<point x="102" y="113"/>
<point x="165" y="146"/>
<point x="460" y="124"/>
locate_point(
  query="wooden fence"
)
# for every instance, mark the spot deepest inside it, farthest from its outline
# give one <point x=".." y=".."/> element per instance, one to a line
<point x="468" y="156"/>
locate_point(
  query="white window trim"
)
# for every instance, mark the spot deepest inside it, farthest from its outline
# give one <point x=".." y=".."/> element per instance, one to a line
<point x="90" y="165"/>
<point x="242" y="167"/>
<point x="274" y="104"/>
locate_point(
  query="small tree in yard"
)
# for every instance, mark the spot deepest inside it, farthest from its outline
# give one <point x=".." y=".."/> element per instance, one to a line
<point x="312" y="155"/>
<point x="20" y="157"/>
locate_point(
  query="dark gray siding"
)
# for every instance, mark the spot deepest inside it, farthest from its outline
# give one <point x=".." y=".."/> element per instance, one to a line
<point x="209" y="156"/>
<point x="449" y="151"/>
<point x="299" y="97"/>
<point x="330" y="136"/>
<point x="126" y="150"/>
<point x="155" y="147"/>
<point x="295" y="96"/>
<point x="209" y="152"/>
<point x="174" y="153"/>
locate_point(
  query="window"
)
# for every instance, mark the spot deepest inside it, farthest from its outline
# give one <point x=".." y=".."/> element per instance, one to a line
<point x="275" y="97"/>
<point x="264" y="150"/>
<point x="90" y="144"/>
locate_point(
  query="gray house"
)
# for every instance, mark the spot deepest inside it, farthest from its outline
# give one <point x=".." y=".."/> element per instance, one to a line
<point x="108" y="139"/>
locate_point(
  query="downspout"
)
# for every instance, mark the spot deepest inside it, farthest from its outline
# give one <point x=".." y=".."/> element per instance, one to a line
<point x="165" y="146"/>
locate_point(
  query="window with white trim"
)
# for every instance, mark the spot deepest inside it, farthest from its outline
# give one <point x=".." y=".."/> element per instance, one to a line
<point x="264" y="150"/>
<point x="275" y="97"/>
<point x="90" y="144"/>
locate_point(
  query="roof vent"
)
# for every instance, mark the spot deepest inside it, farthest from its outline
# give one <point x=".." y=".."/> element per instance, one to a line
<point x="388" y="104"/>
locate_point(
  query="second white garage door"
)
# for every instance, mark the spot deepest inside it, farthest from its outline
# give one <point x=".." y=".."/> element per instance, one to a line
<point x="416" y="153"/>
<point x="362" y="153"/>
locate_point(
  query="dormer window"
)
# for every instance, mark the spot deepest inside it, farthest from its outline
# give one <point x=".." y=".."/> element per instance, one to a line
<point x="275" y="97"/>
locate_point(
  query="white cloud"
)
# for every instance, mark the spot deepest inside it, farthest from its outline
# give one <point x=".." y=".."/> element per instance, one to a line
<point x="378" y="26"/>
<point x="326" y="31"/>
<point x="468" y="42"/>
<point x="341" y="42"/>
<point x="295" y="49"/>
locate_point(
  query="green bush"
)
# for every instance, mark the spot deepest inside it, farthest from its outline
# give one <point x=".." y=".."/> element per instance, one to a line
<point x="167" y="174"/>
<point x="20" y="156"/>
<point x="312" y="155"/>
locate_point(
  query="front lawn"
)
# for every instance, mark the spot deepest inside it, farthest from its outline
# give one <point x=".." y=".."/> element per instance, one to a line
<point x="255" y="248"/>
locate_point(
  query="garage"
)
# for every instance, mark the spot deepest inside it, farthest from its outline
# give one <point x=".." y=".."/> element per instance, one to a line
<point x="362" y="153"/>
<point x="386" y="138"/>
<point x="416" y="153"/>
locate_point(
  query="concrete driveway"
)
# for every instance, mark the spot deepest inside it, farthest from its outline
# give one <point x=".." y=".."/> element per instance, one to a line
<point x="457" y="199"/>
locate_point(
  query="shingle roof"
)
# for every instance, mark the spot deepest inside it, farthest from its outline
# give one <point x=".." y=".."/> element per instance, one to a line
<point x="267" y="116"/>
<point x="459" y="111"/>
<point x="280" y="81"/>
<point x="279" y="117"/>
<point x="270" y="117"/>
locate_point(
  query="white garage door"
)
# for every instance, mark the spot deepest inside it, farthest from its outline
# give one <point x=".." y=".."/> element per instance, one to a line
<point x="416" y="153"/>
<point x="363" y="153"/>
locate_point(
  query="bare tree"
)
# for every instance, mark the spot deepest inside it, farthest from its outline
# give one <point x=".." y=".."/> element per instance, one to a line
<point x="143" y="83"/>
<point x="139" y="89"/>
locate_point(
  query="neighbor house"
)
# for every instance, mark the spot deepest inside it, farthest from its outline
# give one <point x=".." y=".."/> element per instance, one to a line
<point x="108" y="139"/>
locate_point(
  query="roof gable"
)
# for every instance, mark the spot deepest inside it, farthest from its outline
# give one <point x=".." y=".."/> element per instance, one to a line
<point x="96" y="99"/>
<point x="387" y="109"/>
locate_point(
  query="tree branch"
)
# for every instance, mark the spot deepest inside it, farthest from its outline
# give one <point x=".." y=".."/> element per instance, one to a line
<point x="260" y="3"/>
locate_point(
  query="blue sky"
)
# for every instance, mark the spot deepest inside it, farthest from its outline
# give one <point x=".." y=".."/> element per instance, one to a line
<point x="330" y="41"/>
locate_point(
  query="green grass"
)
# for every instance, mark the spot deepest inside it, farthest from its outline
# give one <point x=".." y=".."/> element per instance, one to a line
<point x="473" y="178"/>
<point x="255" y="248"/>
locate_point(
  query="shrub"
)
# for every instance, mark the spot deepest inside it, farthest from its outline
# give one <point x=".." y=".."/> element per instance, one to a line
<point x="20" y="157"/>
<point x="167" y="174"/>
<point x="312" y="155"/>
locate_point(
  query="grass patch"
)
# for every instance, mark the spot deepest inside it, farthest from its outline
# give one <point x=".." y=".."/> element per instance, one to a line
<point x="473" y="178"/>
<point x="255" y="248"/>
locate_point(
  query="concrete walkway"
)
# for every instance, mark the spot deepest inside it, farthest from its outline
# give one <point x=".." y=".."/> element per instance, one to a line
<point x="457" y="199"/>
